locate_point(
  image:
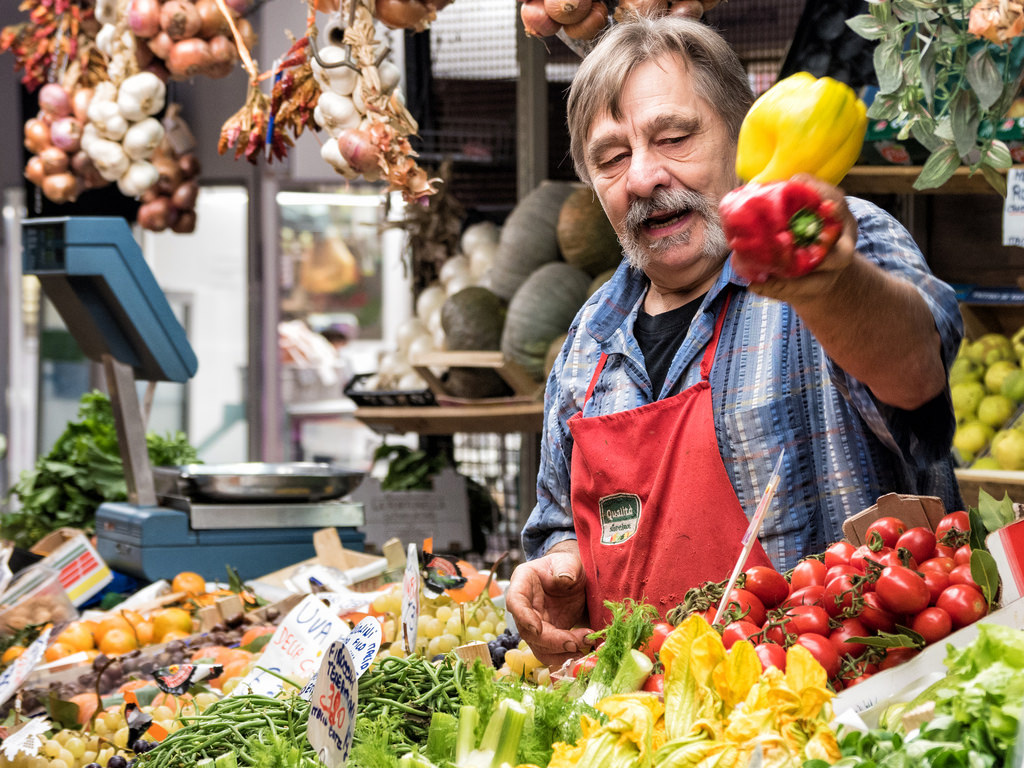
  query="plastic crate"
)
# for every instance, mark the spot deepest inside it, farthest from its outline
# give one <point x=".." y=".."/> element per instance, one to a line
<point x="375" y="398"/>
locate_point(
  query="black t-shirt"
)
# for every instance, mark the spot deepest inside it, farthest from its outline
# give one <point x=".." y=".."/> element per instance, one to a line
<point x="659" y="337"/>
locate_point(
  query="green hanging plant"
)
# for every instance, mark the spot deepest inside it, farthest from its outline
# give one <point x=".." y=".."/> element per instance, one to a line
<point x="945" y="86"/>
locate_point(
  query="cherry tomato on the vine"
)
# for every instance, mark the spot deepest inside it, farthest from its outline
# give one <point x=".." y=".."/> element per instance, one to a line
<point x="944" y="564"/>
<point x="863" y="553"/>
<point x="738" y="630"/>
<point x="841" y="570"/>
<point x="840" y="637"/>
<point x="771" y="655"/>
<point x="874" y="615"/>
<point x="888" y="530"/>
<point x="858" y="673"/>
<point x="932" y="624"/>
<point x="962" y="575"/>
<point x="807" y="618"/>
<point x="840" y="594"/>
<point x="838" y="553"/>
<point x="962" y="555"/>
<point x="896" y="656"/>
<point x="959" y="520"/>
<point x="662" y="629"/>
<point x="769" y="585"/>
<point x="808" y="572"/>
<point x="919" y="541"/>
<point x="822" y="650"/>
<point x="936" y="581"/>
<point x="944" y="550"/>
<point x="655" y="683"/>
<point x="902" y="590"/>
<point x="584" y="664"/>
<point x="746" y="605"/>
<point x="963" y="603"/>
<point x="806" y="596"/>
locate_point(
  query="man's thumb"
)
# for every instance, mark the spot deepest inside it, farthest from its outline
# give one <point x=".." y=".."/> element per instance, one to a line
<point x="566" y="568"/>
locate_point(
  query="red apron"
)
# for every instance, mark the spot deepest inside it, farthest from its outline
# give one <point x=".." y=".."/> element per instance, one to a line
<point x="652" y="504"/>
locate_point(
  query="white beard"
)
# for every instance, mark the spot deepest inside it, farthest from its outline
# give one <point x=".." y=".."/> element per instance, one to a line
<point x="639" y="252"/>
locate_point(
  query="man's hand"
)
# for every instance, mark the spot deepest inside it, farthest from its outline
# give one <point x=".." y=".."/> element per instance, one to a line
<point x="547" y="598"/>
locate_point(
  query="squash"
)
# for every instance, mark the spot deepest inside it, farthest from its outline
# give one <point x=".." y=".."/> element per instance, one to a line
<point x="473" y="319"/>
<point x="585" y="236"/>
<point x="527" y="238"/>
<point x="541" y="310"/>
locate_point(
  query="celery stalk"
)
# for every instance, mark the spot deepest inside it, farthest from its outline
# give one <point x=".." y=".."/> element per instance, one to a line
<point x="227" y="760"/>
<point x="511" y="732"/>
<point x="633" y="671"/>
<point x="465" y="741"/>
<point x="414" y="760"/>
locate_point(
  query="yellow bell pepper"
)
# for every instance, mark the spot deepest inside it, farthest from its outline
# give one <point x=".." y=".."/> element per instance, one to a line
<point x="802" y="124"/>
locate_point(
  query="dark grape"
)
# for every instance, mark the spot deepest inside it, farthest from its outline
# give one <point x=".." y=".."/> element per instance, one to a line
<point x="94" y="765"/>
<point x="117" y="762"/>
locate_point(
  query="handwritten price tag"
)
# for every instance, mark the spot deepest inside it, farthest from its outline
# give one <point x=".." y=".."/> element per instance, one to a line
<point x="17" y="672"/>
<point x="332" y="711"/>
<point x="362" y="642"/>
<point x="411" y="599"/>
<point x="296" y="648"/>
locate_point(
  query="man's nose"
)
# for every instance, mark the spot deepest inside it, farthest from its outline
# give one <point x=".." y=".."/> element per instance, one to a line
<point x="647" y="172"/>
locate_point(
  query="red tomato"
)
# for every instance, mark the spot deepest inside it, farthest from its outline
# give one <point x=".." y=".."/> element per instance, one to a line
<point x="839" y="594"/>
<point x="771" y="655"/>
<point x="807" y="618"/>
<point x="808" y="572"/>
<point x="738" y="630"/>
<point x="958" y="520"/>
<point x="859" y="672"/>
<point x="583" y="664"/>
<point x="901" y="590"/>
<point x="944" y="550"/>
<point x="840" y="637"/>
<point x="655" y="683"/>
<point x="839" y="553"/>
<point x="806" y="596"/>
<point x="874" y="615"/>
<point x="747" y="605"/>
<point x="962" y="555"/>
<point x="919" y="541"/>
<point x="962" y="575"/>
<point x="864" y="553"/>
<point x="944" y="564"/>
<point x="932" y="624"/>
<point x="662" y="629"/>
<point x="936" y="581"/>
<point x="963" y="603"/>
<point x="822" y="650"/>
<point x="887" y="529"/>
<point x="894" y="557"/>
<point x="769" y="585"/>
<point x="896" y="656"/>
<point x="841" y="570"/>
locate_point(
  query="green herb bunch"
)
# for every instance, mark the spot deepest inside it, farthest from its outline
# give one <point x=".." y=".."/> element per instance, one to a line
<point x="946" y="87"/>
<point x="81" y="471"/>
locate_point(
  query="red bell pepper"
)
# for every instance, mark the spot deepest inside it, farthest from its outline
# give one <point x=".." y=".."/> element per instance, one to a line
<point x="780" y="229"/>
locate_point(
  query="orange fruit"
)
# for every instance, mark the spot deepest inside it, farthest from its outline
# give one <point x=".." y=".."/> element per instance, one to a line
<point x="171" y="619"/>
<point x="232" y="655"/>
<point x="12" y="653"/>
<point x="108" y="624"/>
<point x="117" y="641"/>
<point x="189" y="582"/>
<point x="144" y="632"/>
<point x="472" y="588"/>
<point x="174" y="634"/>
<point x="209" y="653"/>
<point x="253" y="632"/>
<point x="58" y="651"/>
<point x="87" y="704"/>
<point x="78" y="636"/>
<point x="133" y="685"/>
<point x="236" y="668"/>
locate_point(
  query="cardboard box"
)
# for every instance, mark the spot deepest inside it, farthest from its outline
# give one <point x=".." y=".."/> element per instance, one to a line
<point x="83" y="573"/>
<point x="915" y="511"/>
<point x="331" y="553"/>
<point x="412" y="516"/>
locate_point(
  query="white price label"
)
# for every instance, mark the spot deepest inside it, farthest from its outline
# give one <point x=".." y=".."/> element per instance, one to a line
<point x="332" y="707"/>
<point x="363" y="642"/>
<point x="411" y="599"/>
<point x="1013" y="208"/>
<point x="17" y="672"/>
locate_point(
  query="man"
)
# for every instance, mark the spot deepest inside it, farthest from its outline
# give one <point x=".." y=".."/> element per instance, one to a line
<point x="679" y="384"/>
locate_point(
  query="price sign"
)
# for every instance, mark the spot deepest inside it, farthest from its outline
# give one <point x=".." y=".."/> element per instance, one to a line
<point x="332" y="707"/>
<point x="1013" y="208"/>
<point x="411" y="599"/>
<point x="17" y="671"/>
<point x="296" y="648"/>
<point x="362" y="642"/>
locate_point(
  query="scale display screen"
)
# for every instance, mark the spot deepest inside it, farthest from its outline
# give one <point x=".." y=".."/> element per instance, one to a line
<point x="44" y="247"/>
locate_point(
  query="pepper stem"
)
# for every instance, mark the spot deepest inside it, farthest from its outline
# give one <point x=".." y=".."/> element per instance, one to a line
<point x="806" y="226"/>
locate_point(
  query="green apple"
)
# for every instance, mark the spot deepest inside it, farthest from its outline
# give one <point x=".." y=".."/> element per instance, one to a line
<point x="1009" y="451"/>
<point x="996" y="410"/>
<point x="967" y="396"/>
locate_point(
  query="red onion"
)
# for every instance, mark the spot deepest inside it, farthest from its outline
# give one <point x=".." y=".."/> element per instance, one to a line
<point x="186" y="223"/>
<point x="189" y="165"/>
<point x="179" y="19"/>
<point x="144" y="17"/>
<point x="83" y="168"/>
<point x="66" y="134"/>
<point x="189" y="57"/>
<point x="184" y="197"/>
<point x="157" y="215"/>
<point x="222" y="49"/>
<point x="212" y="21"/>
<point x="358" y="150"/>
<point x="170" y="175"/>
<point x="238" y="6"/>
<point x="54" y="100"/>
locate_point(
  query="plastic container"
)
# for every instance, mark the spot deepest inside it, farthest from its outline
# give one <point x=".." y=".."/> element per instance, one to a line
<point x="35" y="597"/>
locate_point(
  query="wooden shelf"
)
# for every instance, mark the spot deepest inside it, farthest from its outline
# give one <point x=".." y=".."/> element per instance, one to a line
<point x="899" y="180"/>
<point x="447" y="420"/>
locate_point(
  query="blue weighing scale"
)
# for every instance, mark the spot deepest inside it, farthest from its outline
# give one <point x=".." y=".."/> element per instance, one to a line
<point x="261" y="517"/>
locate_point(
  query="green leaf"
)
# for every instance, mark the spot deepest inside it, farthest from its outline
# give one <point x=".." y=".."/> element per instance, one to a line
<point x="928" y="68"/>
<point x="927" y="135"/>
<point x="938" y="168"/>
<point x="997" y="155"/>
<point x="906" y="638"/>
<point x="884" y="108"/>
<point x="984" y="77"/>
<point x="866" y="26"/>
<point x="964" y="119"/>
<point x="995" y="179"/>
<point x="994" y="514"/>
<point x="985" y="574"/>
<point x="881" y="11"/>
<point x="888" y="66"/>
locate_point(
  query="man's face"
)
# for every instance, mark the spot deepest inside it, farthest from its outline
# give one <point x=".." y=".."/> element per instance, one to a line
<point x="660" y="172"/>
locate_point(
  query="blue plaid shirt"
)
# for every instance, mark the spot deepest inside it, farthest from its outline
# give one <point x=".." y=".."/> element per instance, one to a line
<point x="772" y="387"/>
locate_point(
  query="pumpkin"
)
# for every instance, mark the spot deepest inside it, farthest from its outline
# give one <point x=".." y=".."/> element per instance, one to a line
<point x="540" y="311"/>
<point x="585" y="236"/>
<point x="527" y="238"/>
<point x="473" y="319"/>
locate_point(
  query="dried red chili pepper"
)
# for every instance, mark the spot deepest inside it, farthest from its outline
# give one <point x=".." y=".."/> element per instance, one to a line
<point x="780" y="229"/>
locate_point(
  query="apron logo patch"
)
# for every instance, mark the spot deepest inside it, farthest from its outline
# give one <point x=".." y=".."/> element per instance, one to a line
<point x="620" y="517"/>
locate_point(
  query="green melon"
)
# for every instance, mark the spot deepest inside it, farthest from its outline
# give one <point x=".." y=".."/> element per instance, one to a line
<point x="528" y="237"/>
<point x="540" y="311"/>
<point x="473" y="319"/>
<point x="585" y="236"/>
